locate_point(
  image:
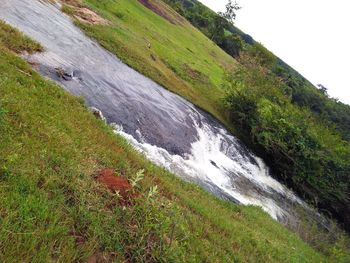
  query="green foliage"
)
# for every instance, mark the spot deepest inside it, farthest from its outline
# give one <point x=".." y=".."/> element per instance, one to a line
<point x="306" y="153"/>
<point x="304" y="94"/>
<point x="217" y="30"/>
<point x="262" y="55"/>
<point x="233" y="45"/>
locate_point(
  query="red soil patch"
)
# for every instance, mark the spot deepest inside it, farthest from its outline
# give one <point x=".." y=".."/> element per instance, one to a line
<point x="163" y="10"/>
<point x="115" y="183"/>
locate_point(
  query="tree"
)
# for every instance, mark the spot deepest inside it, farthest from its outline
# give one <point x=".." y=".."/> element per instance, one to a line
<point x="323" y="89"/>
<point x="217" y="29"/>
<point x="230" y="13"/>
<point x="220" y="22"/>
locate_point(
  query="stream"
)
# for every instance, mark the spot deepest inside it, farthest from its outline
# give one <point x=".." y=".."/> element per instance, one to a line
<point x="166" y="128"/>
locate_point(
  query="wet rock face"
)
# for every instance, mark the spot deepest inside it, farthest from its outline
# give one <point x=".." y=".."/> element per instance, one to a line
<point x="64" y="74"/>
<point x="97" y="113"/>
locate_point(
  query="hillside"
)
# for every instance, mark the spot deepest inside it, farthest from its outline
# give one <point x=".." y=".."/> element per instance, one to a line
<point x="299" y="130"/>
<point x="308" y="149"/>
<point x="53" y="151"/>
<point x="53" y="209"/>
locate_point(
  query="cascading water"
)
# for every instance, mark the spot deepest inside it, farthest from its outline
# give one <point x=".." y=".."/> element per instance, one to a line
<point x="169" y="130"/>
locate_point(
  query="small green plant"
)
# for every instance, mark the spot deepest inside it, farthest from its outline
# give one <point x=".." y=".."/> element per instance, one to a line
<point x="152" y="192"/>
<point x="137" y="178"/>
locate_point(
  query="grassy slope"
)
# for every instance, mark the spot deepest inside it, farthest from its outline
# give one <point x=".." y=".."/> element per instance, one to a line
<point x="52" y="208"/>
<point x="186" y="62"/>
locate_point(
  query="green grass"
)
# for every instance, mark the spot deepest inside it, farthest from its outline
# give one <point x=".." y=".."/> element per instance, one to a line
<point x="15" y="41"/>
<point x="52" y="209"/>
<point x="180" y="57"/>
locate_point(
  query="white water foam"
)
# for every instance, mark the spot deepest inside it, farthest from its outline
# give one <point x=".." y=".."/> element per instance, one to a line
<point x="211" y="162"/>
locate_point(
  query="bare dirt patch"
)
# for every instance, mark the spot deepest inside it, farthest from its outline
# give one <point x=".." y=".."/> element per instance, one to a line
<point x="163" y="10"/>
<point x="84" y="14"/>
<point x="88" y="16"/>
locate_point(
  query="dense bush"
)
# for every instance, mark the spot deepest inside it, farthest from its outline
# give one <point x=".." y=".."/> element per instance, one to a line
<point x="303" y="151"/>
<point x="232" y="44"/>
<point x="304" y="94"/>
<point x="262" y="55"/>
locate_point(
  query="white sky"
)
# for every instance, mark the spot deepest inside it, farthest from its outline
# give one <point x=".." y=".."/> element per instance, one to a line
<point x="312" y="36"/>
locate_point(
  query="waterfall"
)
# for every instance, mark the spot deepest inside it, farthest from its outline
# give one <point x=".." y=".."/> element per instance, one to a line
<point x="167" y="129"/>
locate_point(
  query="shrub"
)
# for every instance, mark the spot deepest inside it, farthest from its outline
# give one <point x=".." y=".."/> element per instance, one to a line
<point x="305" y="152"/>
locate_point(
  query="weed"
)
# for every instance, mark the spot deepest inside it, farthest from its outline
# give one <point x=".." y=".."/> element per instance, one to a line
<point x="137" y="178"/>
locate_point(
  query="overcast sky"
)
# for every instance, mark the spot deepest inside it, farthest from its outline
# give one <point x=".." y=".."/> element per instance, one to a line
<point x="313" y="36"/>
